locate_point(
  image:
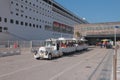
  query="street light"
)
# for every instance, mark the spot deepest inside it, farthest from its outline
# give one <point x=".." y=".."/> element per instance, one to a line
<point x="115" y="55"/>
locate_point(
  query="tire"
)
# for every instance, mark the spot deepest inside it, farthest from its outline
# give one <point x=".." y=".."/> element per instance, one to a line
<point x="49" y="57"/>
<point x="38" y="58"/>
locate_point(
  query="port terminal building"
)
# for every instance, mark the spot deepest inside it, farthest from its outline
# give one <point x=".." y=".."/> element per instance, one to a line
<point x="95" y="32"/>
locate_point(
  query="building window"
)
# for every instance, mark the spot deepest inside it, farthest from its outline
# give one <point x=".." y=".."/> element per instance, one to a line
<point x="11" y="21"/>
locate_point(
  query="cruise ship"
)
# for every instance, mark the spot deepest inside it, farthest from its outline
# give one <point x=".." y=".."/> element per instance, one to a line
<point x="36" y="20"/>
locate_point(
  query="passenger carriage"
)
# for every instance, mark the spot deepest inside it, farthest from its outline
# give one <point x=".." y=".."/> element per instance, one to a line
<point x="67" y="45"/>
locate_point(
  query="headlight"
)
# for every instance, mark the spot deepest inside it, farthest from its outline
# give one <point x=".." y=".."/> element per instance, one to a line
<point x="34" y="51"/>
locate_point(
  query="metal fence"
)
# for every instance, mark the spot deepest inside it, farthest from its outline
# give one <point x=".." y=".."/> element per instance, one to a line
<point x="8" y="48"/>
<point x="20" y="44"/>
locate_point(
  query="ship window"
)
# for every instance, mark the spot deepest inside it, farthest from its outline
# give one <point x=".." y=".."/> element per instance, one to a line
<point x="37" y="6"/>
<point x="30" y="24"/>
<point x="29" y="17"/>
<point x="5" y="20"/>
<point x="26" y="16"/>
<point x="21" y="6"/>
<point x="36" y="19"/>
<point x="33" y="25"/>
<point x="21" y="23"/>
<point x="36" y="11"/>
<point x="16" y="4"/>
<point x="36" y="26"/>
<point x="33" y="10"/>
<point x="17" y="14"/>
<point x="30" y="9"/>
<point x="30" y="3"/>
<point x="40" y="20"/>
<point x="17" y="22"/>
<point x="40" y="26"/>
<point x="5" y="28"/>
<point x="0" y="29"/>
<point x="26" y="7"/>
<point x="21" y="15"/>
<point x="11" y="12"/>
<point x="26" y="1"/>
<point x="33" y="4"/>
<point x="26" y="24"/>
<point x="11" y="2"/>
<point x="0" y="19"/>
<point x="11" y="21"/>
<point x="22" y="11"/>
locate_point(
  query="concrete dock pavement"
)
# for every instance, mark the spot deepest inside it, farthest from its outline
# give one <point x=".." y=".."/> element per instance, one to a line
<point x="94" y="64"/>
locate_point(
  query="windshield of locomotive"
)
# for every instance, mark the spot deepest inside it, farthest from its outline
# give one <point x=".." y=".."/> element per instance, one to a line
<point x="50" y="43"/>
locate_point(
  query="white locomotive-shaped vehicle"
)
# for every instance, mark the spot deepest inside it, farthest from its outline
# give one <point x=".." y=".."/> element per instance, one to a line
<point x="58" y="47"/>
<point x="50" y="49"/>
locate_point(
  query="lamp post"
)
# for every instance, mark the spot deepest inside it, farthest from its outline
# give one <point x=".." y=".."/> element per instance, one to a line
<point x="115" y="55"/>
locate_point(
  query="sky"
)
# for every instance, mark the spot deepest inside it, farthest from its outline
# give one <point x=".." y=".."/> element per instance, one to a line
<point x="94" y="11"/>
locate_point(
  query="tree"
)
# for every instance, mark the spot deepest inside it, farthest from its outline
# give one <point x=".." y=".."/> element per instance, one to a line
<point x="78" y="35"/>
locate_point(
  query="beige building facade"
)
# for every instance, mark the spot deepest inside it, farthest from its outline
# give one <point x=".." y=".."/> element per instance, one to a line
<point x="97" y="29"/>
<point x="95" y="32"/>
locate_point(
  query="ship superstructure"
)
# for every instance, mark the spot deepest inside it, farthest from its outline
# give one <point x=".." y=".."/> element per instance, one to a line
<point x="35" y="20"/>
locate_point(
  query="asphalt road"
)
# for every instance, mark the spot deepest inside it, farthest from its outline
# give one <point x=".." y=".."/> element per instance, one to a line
<point x="84" y="65"/>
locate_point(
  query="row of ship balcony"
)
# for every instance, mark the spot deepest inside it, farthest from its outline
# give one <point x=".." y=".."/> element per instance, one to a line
<point x="67" y="15"/>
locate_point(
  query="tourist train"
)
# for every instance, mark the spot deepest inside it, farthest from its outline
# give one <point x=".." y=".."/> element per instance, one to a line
<point x="58" y="47"/>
